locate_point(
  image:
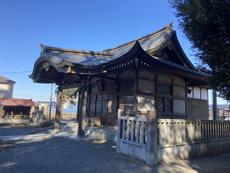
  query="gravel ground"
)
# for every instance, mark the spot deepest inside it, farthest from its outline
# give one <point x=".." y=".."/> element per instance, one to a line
<point x="62" y="154"/>
<point x="18" y="130"/>
<point x="59" y="153"/>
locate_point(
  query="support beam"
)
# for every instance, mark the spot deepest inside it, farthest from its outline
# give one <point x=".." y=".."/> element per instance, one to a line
<point x="214" y="104"/>
<point x="57" y="124"/>
<point x="82" y="107"/>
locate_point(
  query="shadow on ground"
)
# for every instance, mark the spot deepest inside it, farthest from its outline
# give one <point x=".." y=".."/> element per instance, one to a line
<point x="58" y="154"/>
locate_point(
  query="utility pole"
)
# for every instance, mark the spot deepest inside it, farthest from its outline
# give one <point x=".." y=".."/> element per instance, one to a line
<point x="214" y="104"/>
<point x="51" y="99"/>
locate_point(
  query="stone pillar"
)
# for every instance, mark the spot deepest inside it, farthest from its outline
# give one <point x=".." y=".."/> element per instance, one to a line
<point x="120" y="111"/>
<point x="151" y="145"/>
<point x="82" y="107"/>
<point x="57" y="124"/>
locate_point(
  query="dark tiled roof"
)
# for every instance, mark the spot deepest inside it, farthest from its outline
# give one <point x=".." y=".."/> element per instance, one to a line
<point x="149" y="42"/>
<point x="91" y="62"/>
<point x="6" y="80"/>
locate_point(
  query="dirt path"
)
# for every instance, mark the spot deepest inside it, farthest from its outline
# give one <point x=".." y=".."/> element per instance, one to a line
<point x="59" y="153"/>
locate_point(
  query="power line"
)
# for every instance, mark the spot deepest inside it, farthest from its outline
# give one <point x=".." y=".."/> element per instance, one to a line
<point x="15" y="72"/>
<point x="30" y="95"/>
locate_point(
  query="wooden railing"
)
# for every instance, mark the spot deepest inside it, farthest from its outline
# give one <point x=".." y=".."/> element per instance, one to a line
<point x="178" y="132"/>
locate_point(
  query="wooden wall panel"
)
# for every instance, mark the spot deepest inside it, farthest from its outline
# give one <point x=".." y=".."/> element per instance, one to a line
<point x="197" y="109"/>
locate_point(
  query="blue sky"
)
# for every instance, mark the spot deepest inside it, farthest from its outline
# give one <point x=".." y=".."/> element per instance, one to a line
<point x="76" y="24"/>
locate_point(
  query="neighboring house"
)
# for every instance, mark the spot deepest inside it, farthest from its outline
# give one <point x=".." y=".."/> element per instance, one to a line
<point x="223" y="112"/>
<point x="6" y="87"/>
<point x="150" y="73"/>
<point x="16" y="108"/>
<point x="13" y="107"/>
<point x="44" y="107"/>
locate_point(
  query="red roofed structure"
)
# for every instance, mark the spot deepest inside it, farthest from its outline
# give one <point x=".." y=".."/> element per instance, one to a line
<point x="16" y="102"/>
<point x="15" y="107"/>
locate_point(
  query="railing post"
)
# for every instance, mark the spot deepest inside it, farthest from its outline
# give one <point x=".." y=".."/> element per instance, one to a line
<point x="128" y="128"/>
<point x="119" y="130"/>
<point x="132" y="130"/>
<point x="142" y="132"/>
<point x="137" y="132"/>
<point x="151" y="145"/>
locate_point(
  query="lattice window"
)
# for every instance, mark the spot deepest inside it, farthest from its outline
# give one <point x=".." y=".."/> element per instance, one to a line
<point x="127" y="104"/>
<point x="164" y="105"/>
<point x="122" y="102"/>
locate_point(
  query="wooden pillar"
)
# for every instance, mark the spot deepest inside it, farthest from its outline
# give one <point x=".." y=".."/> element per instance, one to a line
<point x="78" y="106"/>
<point x="151" y="145"/>
<point x="214" y="104"/>
<point x="136" y="85"/>
<point x="57" y="124"/>
<point x="82" y="107"/>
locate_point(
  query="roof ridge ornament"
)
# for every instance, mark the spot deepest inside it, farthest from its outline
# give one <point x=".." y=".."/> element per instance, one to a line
<point x="42" y="46"/>
<point x="170" y="25"/>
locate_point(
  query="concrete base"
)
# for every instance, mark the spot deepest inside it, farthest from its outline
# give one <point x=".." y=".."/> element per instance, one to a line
<point x="132" y="150"/>
<point x="101" y="133"/>
<point x="186" y="151"/>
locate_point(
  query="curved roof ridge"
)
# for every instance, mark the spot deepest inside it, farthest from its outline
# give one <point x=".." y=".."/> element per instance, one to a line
<point x="45" y="48"/>
<point x="166" y="28"/>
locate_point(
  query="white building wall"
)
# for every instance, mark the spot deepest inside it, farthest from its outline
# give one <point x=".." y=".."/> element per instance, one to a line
<point x="6" y="90"/>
